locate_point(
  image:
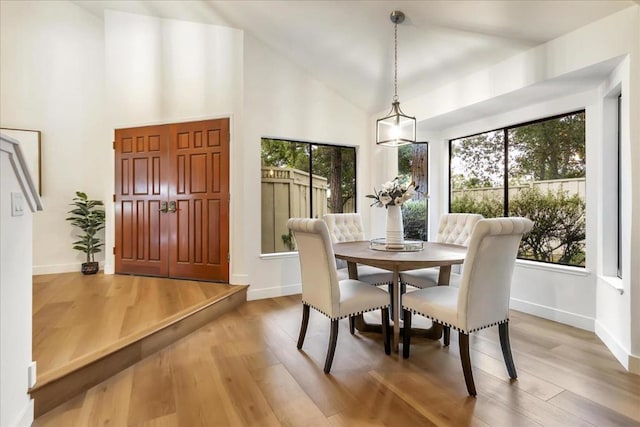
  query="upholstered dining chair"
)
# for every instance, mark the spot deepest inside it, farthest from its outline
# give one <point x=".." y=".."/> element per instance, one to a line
<point x="322" y="290"/>
<point x="482" y="300"/>
<point x="347" y="227"/>
<point x="454" y="228"/>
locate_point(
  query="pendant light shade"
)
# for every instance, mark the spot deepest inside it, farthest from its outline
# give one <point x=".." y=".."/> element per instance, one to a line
<point x="396" y="128"/>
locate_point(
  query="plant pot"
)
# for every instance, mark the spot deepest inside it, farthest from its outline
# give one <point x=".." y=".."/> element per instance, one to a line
<point x="90" y="267"/>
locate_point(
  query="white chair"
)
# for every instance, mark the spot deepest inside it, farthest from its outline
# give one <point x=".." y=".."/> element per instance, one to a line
<point x="482" y="300"/>
<point x="347" y="227"/>
<point x="321" y="289"/>
<point x="454" y="228"/>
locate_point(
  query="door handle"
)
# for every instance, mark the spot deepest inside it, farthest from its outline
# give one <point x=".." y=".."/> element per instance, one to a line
<point x="163" y="207"/>
<point x="172" y="206"/>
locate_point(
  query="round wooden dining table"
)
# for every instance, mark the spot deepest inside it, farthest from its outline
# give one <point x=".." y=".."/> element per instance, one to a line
<point x="432" y="254"/>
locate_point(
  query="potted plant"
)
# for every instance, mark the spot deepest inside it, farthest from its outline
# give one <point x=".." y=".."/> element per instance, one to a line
<point x="88" y="216"/>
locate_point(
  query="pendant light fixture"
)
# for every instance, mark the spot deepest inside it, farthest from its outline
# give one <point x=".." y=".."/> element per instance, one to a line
<point x="396" y="128"/>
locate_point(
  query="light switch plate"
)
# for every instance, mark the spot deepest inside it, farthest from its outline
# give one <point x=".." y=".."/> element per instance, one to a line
<point x="17" y="204"/>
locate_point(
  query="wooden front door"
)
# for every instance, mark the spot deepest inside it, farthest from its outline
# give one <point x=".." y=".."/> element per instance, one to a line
<point x="172" y="200"/>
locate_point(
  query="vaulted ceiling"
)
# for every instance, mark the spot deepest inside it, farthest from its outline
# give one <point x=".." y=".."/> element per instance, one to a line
<point x="348" y="45"/>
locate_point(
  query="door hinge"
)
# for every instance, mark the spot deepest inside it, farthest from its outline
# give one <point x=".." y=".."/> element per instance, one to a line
<point x="114" y="145"/>
<point x="228" y="257"/>
<point x="114" y="250"/>
<point x="229" y="197"/>
<point x="114" y="197"/>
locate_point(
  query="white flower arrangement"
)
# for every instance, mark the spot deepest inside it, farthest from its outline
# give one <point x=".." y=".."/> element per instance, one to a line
<point x="393" y="193"/>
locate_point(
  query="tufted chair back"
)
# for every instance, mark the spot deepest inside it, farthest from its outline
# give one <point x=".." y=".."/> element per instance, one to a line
<point x="320" y="287"/>
<point x="456" y="228"/>
<point x="485" y="286"/>
<point x="344" y="227"/>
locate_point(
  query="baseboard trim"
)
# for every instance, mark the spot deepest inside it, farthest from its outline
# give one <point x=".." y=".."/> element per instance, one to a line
<point x="551" y="313"/>
<point x="614" y="346"/>
<point x="276" y="291"/>
<point x="39" y="270"/>
<point x="634" y="364"/>
<point x="25" y="419"/>
<point x="239" y="279"/>
<point x="56" y="269"/>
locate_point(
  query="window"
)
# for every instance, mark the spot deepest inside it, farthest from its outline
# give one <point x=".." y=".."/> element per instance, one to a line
<point x="536" y="170"/>
<point x="619" y="126"/>
<point x="301" y="179"/>
<point x="413" y="163"/>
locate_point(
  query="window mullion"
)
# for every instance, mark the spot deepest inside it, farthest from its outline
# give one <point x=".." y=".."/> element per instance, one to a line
<point x="506" y="171"/>
<point x="310" y="180"/>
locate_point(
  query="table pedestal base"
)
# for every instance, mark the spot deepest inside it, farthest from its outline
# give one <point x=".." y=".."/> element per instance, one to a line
<point x="432" y="333"/>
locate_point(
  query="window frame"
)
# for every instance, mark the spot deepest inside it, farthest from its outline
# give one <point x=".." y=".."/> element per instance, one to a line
<point x="619" y="188"/>
<point x="505" y="133"/>
<point x="309" y="149"/>
<point x="425" y="191"/>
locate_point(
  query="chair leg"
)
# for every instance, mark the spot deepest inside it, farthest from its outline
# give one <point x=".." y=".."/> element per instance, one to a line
<point x="352" y="324"/>
<point x="446" y="335"/>
<point x="333" y="339"/>
<point x="386" y="334"/>
<point x="391" y="297"/>
<point x="303" y="326"/>
<point x="463" y="340"/>
<point x="503" y="329"/>
<point x="406" y="336"/>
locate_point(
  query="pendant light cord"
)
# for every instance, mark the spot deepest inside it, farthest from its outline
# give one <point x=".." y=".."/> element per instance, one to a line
<point x="395" y="62"/>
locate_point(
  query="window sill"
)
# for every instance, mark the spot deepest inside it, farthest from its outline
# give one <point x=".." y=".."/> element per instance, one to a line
<point x="564" y="269"/>
<point x="279" y="255"/>
<point x="614" y="282"/>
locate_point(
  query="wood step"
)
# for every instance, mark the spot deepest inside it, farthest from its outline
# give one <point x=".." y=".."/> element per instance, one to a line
<point x="61" y="384"/>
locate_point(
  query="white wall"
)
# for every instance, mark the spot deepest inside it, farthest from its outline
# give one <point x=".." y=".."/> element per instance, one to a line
<point x="282" y="101"/>
<point x="16" y="406"/>
<point x="52" y="80"/>
<point x="167" y="71"/>
<point x="588" y="298"/>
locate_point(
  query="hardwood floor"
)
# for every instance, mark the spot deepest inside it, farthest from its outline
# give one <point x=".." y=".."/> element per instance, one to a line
<point x="75" y="315"/>
<point x="89" y="328"/>
<point x="243" y="369"/>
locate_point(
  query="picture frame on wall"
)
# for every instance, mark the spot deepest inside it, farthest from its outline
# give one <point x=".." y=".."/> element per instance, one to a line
<point x="30" y="141"/>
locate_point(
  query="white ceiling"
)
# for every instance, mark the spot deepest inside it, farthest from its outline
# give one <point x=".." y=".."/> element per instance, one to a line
<point x="348" y="45"/>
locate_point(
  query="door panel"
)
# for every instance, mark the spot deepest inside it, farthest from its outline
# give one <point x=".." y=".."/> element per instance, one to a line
<point x="183" y="168"/>
<point x="141" y="228"/>
<point x="199" y="185"/>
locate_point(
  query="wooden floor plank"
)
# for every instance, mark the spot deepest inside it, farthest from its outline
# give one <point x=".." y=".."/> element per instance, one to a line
<point x="152" y="402"/>
<point x="591" y="411"/>
<point x="243" y="392"/>
<point x="291" y="405"/>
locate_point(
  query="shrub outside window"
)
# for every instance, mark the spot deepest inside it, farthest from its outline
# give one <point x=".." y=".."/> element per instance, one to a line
<point x="413" y="163"/>
<point x="536" y="170"/>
